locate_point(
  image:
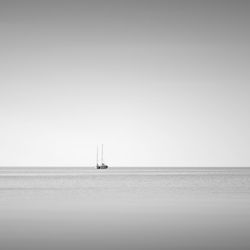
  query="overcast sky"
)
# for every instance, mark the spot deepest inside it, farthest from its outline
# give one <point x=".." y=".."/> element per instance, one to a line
<point x="160" y="83"/>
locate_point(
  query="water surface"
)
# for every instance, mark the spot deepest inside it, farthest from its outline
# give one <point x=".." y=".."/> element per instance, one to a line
<point x="125" y="208"/>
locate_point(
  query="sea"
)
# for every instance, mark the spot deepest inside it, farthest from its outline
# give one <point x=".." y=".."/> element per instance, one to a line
<point x="69" y="208"/>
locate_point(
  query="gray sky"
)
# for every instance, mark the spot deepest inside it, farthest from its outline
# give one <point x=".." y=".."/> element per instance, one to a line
<point x="160" y="83"/>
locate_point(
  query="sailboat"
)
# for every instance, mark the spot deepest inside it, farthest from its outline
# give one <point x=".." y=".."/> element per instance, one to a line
<point x="102" y="165"/>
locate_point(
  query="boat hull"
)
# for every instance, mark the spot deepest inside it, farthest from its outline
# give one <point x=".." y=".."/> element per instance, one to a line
<point x="102" y="166"/>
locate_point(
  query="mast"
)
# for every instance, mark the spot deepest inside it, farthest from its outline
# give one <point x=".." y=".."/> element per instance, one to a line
<point x="97" y="156"/>
<point x="102" y="153"/>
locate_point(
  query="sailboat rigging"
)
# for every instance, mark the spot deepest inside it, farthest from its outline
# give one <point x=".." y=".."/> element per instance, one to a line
<point x="102" y="165"/>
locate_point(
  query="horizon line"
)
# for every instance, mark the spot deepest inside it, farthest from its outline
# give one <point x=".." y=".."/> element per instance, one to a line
<point x="68" y="166"/>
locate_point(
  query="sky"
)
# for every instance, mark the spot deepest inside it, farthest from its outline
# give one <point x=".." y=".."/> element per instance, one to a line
<point x="159" y="83"/>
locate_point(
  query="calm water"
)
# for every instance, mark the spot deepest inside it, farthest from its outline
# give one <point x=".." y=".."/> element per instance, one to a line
<point x="125" y="208"/>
